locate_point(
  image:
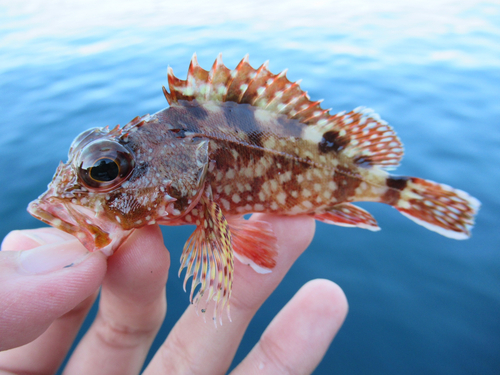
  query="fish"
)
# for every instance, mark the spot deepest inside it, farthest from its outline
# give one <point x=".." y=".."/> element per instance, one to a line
<point x="230" y="143"/>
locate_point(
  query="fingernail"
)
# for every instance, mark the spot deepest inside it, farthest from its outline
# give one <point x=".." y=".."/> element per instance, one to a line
<point x="30" y="238"/>
<point x="44" y="237"/>
<point x="50" y="258"/>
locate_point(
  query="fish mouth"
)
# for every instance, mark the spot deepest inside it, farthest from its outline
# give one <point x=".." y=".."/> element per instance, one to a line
<point x="96" y="234"/>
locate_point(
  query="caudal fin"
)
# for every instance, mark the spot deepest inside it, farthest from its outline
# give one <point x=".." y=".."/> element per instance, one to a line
<point x="437" y="207"/>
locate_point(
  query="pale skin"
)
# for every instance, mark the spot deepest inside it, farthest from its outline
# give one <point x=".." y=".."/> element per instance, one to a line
<point x="42" y="306"/>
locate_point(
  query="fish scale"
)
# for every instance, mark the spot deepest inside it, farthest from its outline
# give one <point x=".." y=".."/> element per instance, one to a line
<point x="234" y="142"/>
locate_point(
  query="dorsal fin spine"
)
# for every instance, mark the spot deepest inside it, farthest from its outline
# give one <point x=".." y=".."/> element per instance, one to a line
<point x="167" y="95"/>
<point x="171" y="79"/>
<point x="212" y="76"/>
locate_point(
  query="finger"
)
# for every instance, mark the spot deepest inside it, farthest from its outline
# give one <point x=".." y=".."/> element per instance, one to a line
<point x="299" y="336"/>
<point x="194" y="346"/>
<point x="45" y="354"/>
<point x="30" y="238"/>
<point x="39" y="286"/>
<point x="131" y="310"/>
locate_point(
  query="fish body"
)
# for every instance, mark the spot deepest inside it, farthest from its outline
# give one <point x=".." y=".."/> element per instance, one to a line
<point x="234" y="142"/>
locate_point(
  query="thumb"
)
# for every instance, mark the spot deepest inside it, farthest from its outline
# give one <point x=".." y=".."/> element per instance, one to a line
<point x="41" y="284"/>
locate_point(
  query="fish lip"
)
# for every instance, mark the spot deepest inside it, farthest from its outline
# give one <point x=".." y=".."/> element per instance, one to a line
<point x="45" y="211"/>
<point x="61" y="215"/>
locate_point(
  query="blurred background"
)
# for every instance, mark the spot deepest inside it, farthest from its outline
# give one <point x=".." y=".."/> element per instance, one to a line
<point x="419" y="302"/>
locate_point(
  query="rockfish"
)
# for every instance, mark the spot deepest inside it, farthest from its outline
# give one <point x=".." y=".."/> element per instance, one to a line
<point x="233" y="142"/>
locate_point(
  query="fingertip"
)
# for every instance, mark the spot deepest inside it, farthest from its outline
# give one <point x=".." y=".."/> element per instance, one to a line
<point x="144" y="244"/>
<point x="30" y="238"/>
<point x="334" y="301"/>
<point x="139" y="268"/>
<point x="37" y="295"/>
<point x="316" y="313"/>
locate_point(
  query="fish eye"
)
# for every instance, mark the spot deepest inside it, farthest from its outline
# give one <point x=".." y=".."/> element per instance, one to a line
<point x="104" y="170"/>
<point x="104" y="165"/>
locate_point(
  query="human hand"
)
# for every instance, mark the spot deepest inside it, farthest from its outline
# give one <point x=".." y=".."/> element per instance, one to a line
<point x="44" y="301"/>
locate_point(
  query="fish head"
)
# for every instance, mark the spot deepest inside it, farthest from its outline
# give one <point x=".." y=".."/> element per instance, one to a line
<point x="121" y="179"/>
<point x="77" y="198"/>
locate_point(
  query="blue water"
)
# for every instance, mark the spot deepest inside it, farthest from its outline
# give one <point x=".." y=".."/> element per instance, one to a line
<point x="419" y="303"/>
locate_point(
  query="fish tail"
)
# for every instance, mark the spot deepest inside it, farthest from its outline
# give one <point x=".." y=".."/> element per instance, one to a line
<point x="438" y="207"/>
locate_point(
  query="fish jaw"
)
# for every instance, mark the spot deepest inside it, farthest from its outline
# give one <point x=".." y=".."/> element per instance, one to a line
<point x="96" y="234"/>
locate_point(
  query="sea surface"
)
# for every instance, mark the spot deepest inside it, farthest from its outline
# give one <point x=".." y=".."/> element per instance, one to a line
<point x="419" y="303"/>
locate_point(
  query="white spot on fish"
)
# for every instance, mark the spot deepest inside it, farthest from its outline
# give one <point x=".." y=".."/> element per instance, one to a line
<point x="266" y="188"/>
<point x="274" y="185"/>
<point x="248" y="172"/>
<point x="281" y="197"/>
<point x="212" y="107"/>
<point x="226" y="204"/>
<point x="270" y="143"/>
<point x="262" y="196"/>
<point x="311" y="133"/>
<point x="285" y="177"/>
<point x="264" y="117"/>
<point x="259" y="170"/>
<point x="307" y="204"/>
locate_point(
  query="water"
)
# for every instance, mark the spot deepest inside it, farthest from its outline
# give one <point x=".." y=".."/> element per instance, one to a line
<point x="419" y="303"/>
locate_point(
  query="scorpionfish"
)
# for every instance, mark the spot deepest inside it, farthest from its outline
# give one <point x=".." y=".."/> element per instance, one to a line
<point x="233" y="142"/>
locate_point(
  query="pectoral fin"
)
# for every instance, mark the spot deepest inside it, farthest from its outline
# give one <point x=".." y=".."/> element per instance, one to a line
<point x="208" y="257"/>
<point x="254" y="243"/>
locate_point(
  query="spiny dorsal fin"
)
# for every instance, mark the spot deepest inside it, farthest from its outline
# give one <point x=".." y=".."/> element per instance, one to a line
<point x="359" y="134"/>
<point x="244" y="84"/>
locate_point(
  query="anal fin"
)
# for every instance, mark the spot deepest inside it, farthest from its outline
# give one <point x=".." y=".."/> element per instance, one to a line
<point x="348" y="215"/>
<point x="208" y="257"/>
<point x="254" y="243"/>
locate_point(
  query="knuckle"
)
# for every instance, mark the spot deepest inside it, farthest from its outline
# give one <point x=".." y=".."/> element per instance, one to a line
<point x="177" y="359"/>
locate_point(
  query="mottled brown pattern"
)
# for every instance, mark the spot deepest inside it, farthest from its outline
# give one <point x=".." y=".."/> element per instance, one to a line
<point x="391" y="196"/>
<point x="346" y="181"/>
<point x="396" y="184"/>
